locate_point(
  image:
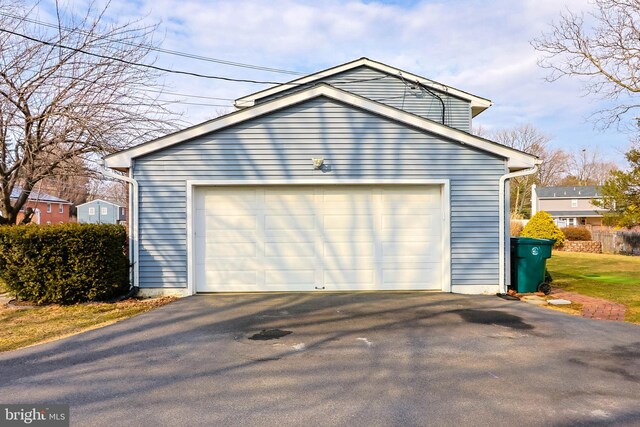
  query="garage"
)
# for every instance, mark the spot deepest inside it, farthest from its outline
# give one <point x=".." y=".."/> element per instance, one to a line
<point x="359" y="177"/>
<point x="309" y="238"/>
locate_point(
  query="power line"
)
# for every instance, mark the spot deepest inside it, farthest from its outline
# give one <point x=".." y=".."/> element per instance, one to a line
<point x="164" y="92"/>
<point x="162" y="50"/>
<point x="177" y="101"/>
<point x="137" y="64"/>
<point x="187" y="73"/>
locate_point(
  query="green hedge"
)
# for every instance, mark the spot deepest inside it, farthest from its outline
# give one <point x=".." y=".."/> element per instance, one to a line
<point x="65" y="263"/>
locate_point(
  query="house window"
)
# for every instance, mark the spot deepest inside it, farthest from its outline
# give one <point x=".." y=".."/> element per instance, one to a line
<point x="574" y="203"/>
<point x="61" y="208"/>
<point x="48" y="207"/>
<point x="92" y="211"/>
<point x="572" y="222"/>
<point x="103" y="211"/>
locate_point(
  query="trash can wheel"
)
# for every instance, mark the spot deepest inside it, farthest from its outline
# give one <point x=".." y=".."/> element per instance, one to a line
<point x="545" y="288"/>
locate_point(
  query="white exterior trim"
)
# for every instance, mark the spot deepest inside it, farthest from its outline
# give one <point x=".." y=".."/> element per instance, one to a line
<point x="445" y="200"/>
<point x="515" y="159"/>
<point x="102" y="201"/>
<point x="478" y="104"/>
<point x="476" y="289"/>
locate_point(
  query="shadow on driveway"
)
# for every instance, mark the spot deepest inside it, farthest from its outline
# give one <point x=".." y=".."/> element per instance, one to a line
<point x="396" y="358"/>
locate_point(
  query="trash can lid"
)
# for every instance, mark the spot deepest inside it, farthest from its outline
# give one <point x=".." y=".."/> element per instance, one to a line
<point x="532" y="241"/>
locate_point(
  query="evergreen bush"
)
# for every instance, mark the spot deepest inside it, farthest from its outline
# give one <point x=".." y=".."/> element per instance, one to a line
<point x="541" y="226"/>
<point x="64" y="263"/>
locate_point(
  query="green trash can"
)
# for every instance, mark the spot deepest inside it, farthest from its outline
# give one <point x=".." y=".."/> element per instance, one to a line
<point x="528" y="263"/>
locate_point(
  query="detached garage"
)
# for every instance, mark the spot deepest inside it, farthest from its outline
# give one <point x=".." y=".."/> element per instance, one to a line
<point x="361" y="177"/>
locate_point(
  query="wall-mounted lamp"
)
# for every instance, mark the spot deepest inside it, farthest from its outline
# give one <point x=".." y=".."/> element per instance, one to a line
<point x="317" y="163"/>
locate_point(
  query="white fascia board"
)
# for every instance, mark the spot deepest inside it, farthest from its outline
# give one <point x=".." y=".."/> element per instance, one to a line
<point x="478" y="104"/>
<point x="100" y="200"/>
<point x="515" y="159"/>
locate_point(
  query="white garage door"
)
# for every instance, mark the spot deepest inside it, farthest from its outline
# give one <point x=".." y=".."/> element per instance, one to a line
<point x="304" y="238"/>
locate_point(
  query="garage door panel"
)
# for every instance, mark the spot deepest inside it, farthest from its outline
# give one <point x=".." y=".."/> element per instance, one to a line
<point x="344" y="279"/>
<point x="414" y="222"/>
<point x="232" y="236"/>
<point x="235" y="222"/>
<point x="286" y="277"/>
<point x="349" y="249"/>
<point x="222" y="197"/>
<point x="223" y="278"/>
<point x="290" y="222"/>
<point x="289" y="249"/>
<point x="348" y="222"/>
<point x="230" y="250"/>
<point x="303" y="238"/>
<point x="419" y="250"/>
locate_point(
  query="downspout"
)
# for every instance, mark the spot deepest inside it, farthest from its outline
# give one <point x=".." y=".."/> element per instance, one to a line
<point x="501" y="220"/>
<point x="133" y="223"/>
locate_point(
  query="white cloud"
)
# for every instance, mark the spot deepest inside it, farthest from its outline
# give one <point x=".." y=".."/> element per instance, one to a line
<point x="481" y="47"/>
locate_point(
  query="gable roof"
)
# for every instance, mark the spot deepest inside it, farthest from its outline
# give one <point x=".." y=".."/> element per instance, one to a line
<point x="478" y="104"/>
<point x="571" y="192"/>
<point x="102" y="201"/>
<point x="516" y="160"/>
<point x="36" y="195"/>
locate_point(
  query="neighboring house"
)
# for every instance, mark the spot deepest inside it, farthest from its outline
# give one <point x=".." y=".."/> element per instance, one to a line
<point x="362" y="176"/>
<point x="568" y="206"/>
<point x="101" y="212"/>
<point x="48" y="209"/>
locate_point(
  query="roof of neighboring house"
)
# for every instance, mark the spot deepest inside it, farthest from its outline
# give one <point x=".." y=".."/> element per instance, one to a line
<point x="101" y="201"/>
<point x="516" y="159"/>
<point x="478" y="104"/>
<point x="38" y="196"/>
<point x="573" y="214"/>
<point x="574" y="192"/>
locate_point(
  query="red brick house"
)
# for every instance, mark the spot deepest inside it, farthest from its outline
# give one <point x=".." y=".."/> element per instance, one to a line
<point x="48" y="209"/>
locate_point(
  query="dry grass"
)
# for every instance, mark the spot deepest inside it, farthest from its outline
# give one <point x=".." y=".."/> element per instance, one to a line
<point x="23" y="327"/>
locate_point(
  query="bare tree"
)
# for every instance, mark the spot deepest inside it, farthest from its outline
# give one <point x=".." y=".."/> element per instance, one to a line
<point x="588" y="167"/>
<point x="109" y="190"/>
<point x="605" y="54"/>
<point x="531" y="140"/>
<point x="73" y="93"/>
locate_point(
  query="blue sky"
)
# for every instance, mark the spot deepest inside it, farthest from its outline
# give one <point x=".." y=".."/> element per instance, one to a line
<point x="482" y="47"/>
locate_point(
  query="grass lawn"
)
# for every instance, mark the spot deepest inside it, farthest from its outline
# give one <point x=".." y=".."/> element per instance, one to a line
<point x="612" y="277"/>
<point x="22" y="327"/>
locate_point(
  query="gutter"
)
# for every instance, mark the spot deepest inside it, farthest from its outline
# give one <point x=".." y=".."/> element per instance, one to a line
<point x="133" y="222"/>
<point x="502" y="239"/>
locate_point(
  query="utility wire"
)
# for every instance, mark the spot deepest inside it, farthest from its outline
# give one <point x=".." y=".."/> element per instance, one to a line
<point x="168" y="70"/>
<point x="161" y="50"/>
<point x="137" y="64"/>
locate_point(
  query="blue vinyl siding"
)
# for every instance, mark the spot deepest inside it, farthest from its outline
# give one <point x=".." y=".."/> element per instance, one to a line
<point x="111" y="216"/>
<point x="355" y="144"/>
<point x="401" y="94"/>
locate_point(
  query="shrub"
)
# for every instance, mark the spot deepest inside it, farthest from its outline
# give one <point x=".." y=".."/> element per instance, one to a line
<point x="64" y="264"/>
<point x="515" y="227"/>
<point x="541" y="226"/>
<point x="576" y="233"/>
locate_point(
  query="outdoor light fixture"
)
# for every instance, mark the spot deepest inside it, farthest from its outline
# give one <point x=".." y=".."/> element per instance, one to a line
<point x="317" y="163"/>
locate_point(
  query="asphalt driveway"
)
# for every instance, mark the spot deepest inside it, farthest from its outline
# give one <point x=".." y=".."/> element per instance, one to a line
<point x="351" y="359"/>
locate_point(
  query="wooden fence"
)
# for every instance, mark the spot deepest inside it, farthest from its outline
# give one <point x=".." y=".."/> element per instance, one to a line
<point x="617" y="241"/>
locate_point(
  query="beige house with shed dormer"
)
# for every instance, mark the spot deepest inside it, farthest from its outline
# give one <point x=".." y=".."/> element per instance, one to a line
<point x="568" y="206"/>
